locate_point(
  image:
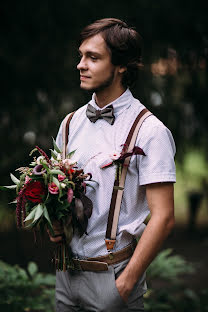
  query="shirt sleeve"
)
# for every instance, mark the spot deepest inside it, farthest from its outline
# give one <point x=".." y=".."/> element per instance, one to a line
<point x="158" y="163"/>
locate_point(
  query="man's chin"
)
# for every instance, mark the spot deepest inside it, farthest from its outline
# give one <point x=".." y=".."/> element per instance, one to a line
<point x="86" y="88"/>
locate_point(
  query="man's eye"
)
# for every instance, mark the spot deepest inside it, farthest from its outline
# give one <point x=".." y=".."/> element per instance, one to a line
<point x="94" y="58"/>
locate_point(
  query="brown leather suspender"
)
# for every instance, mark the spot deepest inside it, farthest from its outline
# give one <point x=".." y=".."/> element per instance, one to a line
<point x="119" y="183"/>
<point x="65" y="133"/>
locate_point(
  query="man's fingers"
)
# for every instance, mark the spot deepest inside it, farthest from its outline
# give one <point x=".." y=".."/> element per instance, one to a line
<point x="56" y="239"/>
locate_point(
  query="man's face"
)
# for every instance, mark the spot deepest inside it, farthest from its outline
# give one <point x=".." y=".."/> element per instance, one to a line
<point x="96" y="70"/>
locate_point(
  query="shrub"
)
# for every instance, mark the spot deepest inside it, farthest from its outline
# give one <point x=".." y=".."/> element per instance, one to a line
<point x="167" y="291"/>
<point x="25" y="290"/>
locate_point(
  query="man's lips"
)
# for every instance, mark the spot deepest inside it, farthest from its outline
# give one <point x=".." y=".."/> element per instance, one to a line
<point x="83" y="77"/>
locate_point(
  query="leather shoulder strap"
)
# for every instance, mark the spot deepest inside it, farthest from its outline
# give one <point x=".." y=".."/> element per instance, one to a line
<point x="120" y="183"/>
<point x="65" y="133"/>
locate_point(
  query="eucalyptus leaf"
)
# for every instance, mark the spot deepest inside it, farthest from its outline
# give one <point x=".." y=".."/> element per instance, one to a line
<point x="56" y="146"/>
<point x="14" y="179"/>
<point x="8" y="187"/>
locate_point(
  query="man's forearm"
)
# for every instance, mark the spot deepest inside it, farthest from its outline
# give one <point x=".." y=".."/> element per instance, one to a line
<point x="150" y="242"/>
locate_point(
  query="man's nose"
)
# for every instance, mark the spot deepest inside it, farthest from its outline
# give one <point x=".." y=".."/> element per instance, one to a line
<point x="82" y="64"/>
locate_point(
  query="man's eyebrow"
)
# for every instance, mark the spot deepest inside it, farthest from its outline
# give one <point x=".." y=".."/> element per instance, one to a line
<point x="89" y="52"/>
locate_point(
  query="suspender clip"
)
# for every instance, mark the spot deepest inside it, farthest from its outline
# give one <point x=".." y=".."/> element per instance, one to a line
<point x="110" y="244"/>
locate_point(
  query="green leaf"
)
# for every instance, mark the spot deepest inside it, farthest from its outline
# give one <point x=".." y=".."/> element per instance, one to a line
<point x="53" y="154"/>
<point x="70" y="154"/>
<point x="56" y="147"/>
<point x="13" y="202"/>
<point x="38" y="213"/>
<point x="32" y="268"/>
<point x="72" y="183"/>
<point x="34" y="150"/>
<point x="45" y="178"/>
<point x="8" y="187"/>
<point x="31" y="214"/>
<point x="46" y="167"/>
<point x="46" y="215"/>
<point x="14" y="179"/>
<point x="56" y="181"/>
<point x="56" y="171"/>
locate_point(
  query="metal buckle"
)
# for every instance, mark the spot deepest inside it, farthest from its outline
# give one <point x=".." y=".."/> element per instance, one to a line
<point x="111" y="255"/>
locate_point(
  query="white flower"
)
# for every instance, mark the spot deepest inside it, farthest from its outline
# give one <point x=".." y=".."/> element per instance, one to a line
<point x="63" y="185"/>
<point x="40" y="160"/>
<point x="115" y="155"/>
<point x="59" y="156"/>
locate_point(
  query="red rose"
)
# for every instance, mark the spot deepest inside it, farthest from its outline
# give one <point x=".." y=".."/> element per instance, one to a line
<point x="35" y="191"/>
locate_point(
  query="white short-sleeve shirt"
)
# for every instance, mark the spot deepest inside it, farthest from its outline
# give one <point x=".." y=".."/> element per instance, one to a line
<point x="94" y="142"/>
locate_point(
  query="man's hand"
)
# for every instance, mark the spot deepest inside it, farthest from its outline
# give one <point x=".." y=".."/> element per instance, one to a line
<point x="58" y="232"/>
<point x="124" y="288"/>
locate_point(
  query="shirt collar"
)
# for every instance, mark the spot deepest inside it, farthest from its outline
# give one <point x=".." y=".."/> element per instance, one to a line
<point x="119" y="105"/>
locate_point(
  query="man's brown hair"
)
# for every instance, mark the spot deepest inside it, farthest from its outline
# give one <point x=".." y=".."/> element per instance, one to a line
<point x="123" y="42"/>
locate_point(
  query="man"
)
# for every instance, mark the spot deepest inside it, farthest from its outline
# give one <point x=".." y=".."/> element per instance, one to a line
<point x="110" y="55"/>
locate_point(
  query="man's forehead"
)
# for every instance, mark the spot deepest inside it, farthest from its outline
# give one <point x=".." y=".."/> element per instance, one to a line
<point x="95" y="44"/>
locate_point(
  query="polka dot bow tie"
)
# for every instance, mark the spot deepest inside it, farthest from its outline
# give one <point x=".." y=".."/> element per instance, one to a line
<point x="95" y="114"/>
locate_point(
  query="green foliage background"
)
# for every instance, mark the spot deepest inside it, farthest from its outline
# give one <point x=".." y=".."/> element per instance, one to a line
<point x="40" y="83"/>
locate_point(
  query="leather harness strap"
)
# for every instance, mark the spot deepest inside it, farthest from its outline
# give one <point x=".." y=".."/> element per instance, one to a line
<point x="119" y="185"/>
<point x="65" y="133"/>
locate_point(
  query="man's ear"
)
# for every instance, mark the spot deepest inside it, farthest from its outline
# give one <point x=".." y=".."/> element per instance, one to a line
<point x="122" y="69"/>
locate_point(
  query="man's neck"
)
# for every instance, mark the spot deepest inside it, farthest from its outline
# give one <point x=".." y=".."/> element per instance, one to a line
<point x="104" y="97"/>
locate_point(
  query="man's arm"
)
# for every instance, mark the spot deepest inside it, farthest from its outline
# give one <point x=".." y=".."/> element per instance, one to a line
<point x="160" y="198"/>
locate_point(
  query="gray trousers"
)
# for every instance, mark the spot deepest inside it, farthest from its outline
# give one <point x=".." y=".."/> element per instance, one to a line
<point x="96" y="292"/>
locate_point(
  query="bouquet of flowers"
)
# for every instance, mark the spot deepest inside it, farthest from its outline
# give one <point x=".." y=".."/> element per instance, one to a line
<point x="52" y="190"/>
